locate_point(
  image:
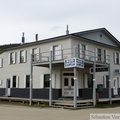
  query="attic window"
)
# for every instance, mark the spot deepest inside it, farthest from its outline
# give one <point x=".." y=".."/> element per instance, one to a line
<point x="100" y="35"/>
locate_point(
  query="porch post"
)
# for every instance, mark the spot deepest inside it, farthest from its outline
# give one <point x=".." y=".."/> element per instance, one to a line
<point x="75" y="88"/>
<point x="50" y="87"/>
<point x="94" y="80"/>
<point x="75" y="82"/>
<point x="110" y="92"/>
<point x="31" y="80"/>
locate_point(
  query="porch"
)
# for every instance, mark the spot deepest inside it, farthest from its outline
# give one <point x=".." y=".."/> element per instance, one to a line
<point x="56" y="57"/>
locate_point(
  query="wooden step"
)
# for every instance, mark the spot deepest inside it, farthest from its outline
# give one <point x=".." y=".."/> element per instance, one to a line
<point x="71" y="105"/>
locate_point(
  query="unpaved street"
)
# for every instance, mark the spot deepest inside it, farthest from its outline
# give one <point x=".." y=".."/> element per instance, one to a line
<point x="12" y="112"/>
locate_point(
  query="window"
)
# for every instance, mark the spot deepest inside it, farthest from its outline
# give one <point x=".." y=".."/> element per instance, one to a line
<point x="14" y="81"/>
<point x="99" y="56"/>
<point x="57" y="52"/>
<point x="90" y="81"/>
<point x="83" y="51"/>
<point x="27" y="81"/>
<point x="36" y="54"/>
<point x="1" y="62"/>
<point x="12" y="58"/>
<point x="23" y="56"/>
<point x="116" y="58"/>
<point x="46" y="80"/>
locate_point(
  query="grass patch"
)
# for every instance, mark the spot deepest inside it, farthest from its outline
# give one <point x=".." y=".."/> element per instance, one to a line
<point x="107" y="105"/>
<point x="41" y="105"/>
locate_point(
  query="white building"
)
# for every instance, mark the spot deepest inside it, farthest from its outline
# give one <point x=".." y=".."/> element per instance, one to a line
<point x="15" y="66"/>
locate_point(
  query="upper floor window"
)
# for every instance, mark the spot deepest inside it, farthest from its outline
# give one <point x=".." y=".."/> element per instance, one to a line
<point x="116" y="58"/>
<point x="102" y="55"/>
<point x="23" y="56"/>
<point x="83" y="52"/>
<point x="12" y="58"/>
<point x="36" y="54"/>
<point x="57" y="52"/>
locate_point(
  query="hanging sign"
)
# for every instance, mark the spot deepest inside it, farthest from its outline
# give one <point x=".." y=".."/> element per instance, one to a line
<point x="73" y="62"/>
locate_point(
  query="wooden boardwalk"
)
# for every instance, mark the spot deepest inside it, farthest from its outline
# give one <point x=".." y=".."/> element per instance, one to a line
<point x="59" y="103"/>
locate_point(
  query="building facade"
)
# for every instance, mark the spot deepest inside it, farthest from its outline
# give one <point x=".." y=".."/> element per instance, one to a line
<point x="93" y="45"/>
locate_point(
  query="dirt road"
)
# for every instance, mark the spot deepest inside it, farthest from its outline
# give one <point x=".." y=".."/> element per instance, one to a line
<point x="12" y="112"/>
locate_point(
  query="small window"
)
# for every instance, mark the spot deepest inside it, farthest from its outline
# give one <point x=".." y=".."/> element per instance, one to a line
<point x="46" y="80"/>
<point x="12" y="58"/>
<point x="57" y="52"/>
<point x="22" y="56"/>
<point x="116" y="58"/>
<point x="27" y="81"/>
<point x="14" y="81"/>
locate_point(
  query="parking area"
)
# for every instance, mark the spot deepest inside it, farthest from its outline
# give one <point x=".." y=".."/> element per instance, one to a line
<point x="15" y="112"/>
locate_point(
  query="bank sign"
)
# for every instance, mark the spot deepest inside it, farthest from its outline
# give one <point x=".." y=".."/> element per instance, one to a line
<point x="73" y="62"/>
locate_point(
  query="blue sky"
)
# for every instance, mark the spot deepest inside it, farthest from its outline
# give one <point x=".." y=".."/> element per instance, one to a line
<point x="48" y="18"/>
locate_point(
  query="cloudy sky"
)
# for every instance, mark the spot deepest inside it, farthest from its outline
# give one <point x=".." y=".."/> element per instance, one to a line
<point x="48" y="18"/>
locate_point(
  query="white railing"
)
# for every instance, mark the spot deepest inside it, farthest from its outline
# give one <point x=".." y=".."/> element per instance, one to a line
<point x="63" y="54"/>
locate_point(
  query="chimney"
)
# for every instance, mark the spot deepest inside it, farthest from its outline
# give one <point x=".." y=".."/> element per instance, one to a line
<point x="23" y="39"/>
<point x="67" y="31"/>
<point x="36" y="37"/>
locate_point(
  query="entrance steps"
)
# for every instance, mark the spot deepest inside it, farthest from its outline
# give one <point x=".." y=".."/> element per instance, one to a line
<point x="69" y="104"/>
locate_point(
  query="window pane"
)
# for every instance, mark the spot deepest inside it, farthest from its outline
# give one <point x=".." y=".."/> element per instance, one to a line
<point x="46" y="80"/>
<point x="14" y="81"/>
<point x="72" y="81"/>
<point x="21" y="57"/>
<point x="27" y="81"/>
<point x="90" y="81"/>
<point x="65" y="81"/>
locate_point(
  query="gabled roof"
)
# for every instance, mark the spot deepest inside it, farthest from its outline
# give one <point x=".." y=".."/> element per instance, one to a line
<point x="104" y="30"/>
<point x="78" y="34"/>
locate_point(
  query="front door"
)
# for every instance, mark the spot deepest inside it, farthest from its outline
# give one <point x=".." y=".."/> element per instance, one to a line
<point x="68" y="86"/>
<point x="8" y="89"/>
<point x="115" y="86"/>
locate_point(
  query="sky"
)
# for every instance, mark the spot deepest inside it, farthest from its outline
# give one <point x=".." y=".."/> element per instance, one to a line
<point x="49" y="18"/>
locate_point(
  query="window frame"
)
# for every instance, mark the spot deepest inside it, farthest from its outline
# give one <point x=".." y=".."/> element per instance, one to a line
<point x="46" y="82"/>
<point x="12" y="58"/>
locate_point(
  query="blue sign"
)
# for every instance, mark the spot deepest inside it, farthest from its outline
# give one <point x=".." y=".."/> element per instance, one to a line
<point x="74" y="62"/>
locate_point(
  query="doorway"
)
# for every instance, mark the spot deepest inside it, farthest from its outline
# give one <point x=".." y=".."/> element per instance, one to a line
<point x="68" y="84"/>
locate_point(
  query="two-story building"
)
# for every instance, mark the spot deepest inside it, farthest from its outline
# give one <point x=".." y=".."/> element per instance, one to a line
<point x="93" y="45"/>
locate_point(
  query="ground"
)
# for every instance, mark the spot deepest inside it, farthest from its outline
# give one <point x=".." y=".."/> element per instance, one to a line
<point x="14" y="112"/>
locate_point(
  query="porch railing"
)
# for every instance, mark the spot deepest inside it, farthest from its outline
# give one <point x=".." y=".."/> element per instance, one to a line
<point x="68" y="53"/>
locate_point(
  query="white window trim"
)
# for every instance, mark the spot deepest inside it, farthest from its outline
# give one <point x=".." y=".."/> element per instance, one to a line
<point x="14" y="58"/>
